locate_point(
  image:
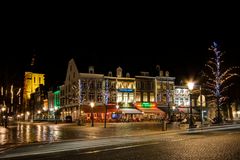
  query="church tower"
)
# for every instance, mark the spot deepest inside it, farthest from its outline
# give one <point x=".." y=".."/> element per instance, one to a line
<point x="32" y="80"/>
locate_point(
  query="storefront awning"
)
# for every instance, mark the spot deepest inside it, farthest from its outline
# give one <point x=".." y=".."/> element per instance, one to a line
<point x="151" y="110"/>
<point x="164" y="108"/>
<point x="98" y="109"/>
<point x="130" y="111"/>
<point x="186" y="110"/>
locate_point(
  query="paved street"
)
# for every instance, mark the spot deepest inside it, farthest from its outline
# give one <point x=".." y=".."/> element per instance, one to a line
<point x="31" y="133"/>
<point x="121" y="135"/>
<point x="218" y="144"/>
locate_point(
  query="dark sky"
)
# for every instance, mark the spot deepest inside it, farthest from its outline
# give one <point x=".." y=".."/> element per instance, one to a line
<point x="177" y="42"/>
<point x="183" y="58"/>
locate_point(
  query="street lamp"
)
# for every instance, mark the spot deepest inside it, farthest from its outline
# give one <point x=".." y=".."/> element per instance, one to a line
<point x="173" y="115"/>
<point x="3" y="109"/>
<point x="92" y="105"/>
<point x="190" y="87"/>
<point x="201" y="102"/>
<point x="27" y="113"/>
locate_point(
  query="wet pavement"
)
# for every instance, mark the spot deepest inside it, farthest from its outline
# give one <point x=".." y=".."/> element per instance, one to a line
<point x="218" y="144"/>
<point x="27" y="133"/>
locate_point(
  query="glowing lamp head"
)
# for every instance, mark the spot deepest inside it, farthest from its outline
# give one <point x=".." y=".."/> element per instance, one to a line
<point x="190" y="85"/>
<point x="3" y="109"/>
<point x="92" y="104"/>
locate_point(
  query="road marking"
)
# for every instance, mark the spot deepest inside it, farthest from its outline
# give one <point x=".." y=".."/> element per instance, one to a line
<point x="175" y="140"/>
<point x="119" y="148"/>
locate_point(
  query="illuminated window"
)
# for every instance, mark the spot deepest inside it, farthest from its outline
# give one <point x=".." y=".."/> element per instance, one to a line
<point x="164" y="98"/>
<point x="34" y="79"/>
<point x="113" y="85"/>
<point x="99" y="98"/>
<point x="177" y="101"/>
<point x="119" y="97"/>
<point x="151" y="97"/>
<point x="193" y="102"/>
<point x="83" y="96"/>
<point x="142" y="86"/>
<point x="125" y="97"/>
<point x="181" y="101"/>
<point x="138" y="97"/>
<point x="151" y="85"/>
<point x="113" y="97"/>
<point x="131" y="98"/>
<point x="99" y="85"/>
<point x="91" y="96"/>
<point x="84" y="86"/>
<point x="145" y="97"/>
<point x="138" y="85"/>
<point x="91" y="86"/>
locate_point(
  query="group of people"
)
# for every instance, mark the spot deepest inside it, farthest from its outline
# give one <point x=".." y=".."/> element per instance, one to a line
<point x="4" y="122"/>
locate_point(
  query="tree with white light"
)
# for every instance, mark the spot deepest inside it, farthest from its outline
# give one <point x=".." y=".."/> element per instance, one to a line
<point x="217" y="79"/>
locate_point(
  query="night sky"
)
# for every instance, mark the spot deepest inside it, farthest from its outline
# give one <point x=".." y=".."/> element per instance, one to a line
<point x="177" y="44"/>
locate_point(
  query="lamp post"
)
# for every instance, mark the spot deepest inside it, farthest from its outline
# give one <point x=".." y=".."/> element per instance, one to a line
<point x="117" y="106"/>
<point x="92" y="105"/>
<point x="4" y="108"/>
<point x="105" y="116"/>
<point x="173" y="115"/>
<point x="190" y="87"/>
<point x="201" y="105"/>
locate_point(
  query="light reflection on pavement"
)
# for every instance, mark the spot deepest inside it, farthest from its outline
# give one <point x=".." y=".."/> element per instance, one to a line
<point x="25" y="133"/>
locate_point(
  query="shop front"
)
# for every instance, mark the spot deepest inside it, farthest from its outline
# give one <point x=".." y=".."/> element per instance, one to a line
<point x="150" y="111"/>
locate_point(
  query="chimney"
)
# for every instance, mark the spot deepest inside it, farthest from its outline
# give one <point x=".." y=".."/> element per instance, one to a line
<point x="158" y="69"/>
<point x="161" y="73"/>
<point x="167" y="74"/>
<point x="144" y="73"/>
<point x="110" y="73"/>
<point x="119" y="72"/>
<point x="91" y="69"/>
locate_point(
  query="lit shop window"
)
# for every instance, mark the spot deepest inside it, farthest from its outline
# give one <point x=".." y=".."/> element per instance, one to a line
<point x="145" y="98"/>
<point x="151" y="97"/>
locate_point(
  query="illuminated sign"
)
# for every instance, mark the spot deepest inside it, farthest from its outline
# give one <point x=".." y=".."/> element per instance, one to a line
<point x="125" y="90"/>
<point x="146" y="105"/>
<point x="124" y="84"/>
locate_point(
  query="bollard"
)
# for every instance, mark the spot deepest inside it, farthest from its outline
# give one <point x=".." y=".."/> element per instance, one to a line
<point x="78" y="122"/>
<point x="164" y="125"/>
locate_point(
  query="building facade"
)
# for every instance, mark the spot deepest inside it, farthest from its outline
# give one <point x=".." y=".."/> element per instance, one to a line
<point x="165" y="92"/>
<point x="146" y="97"/>
<point x="116" y="98"/>
<point x="31" y="82"/>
